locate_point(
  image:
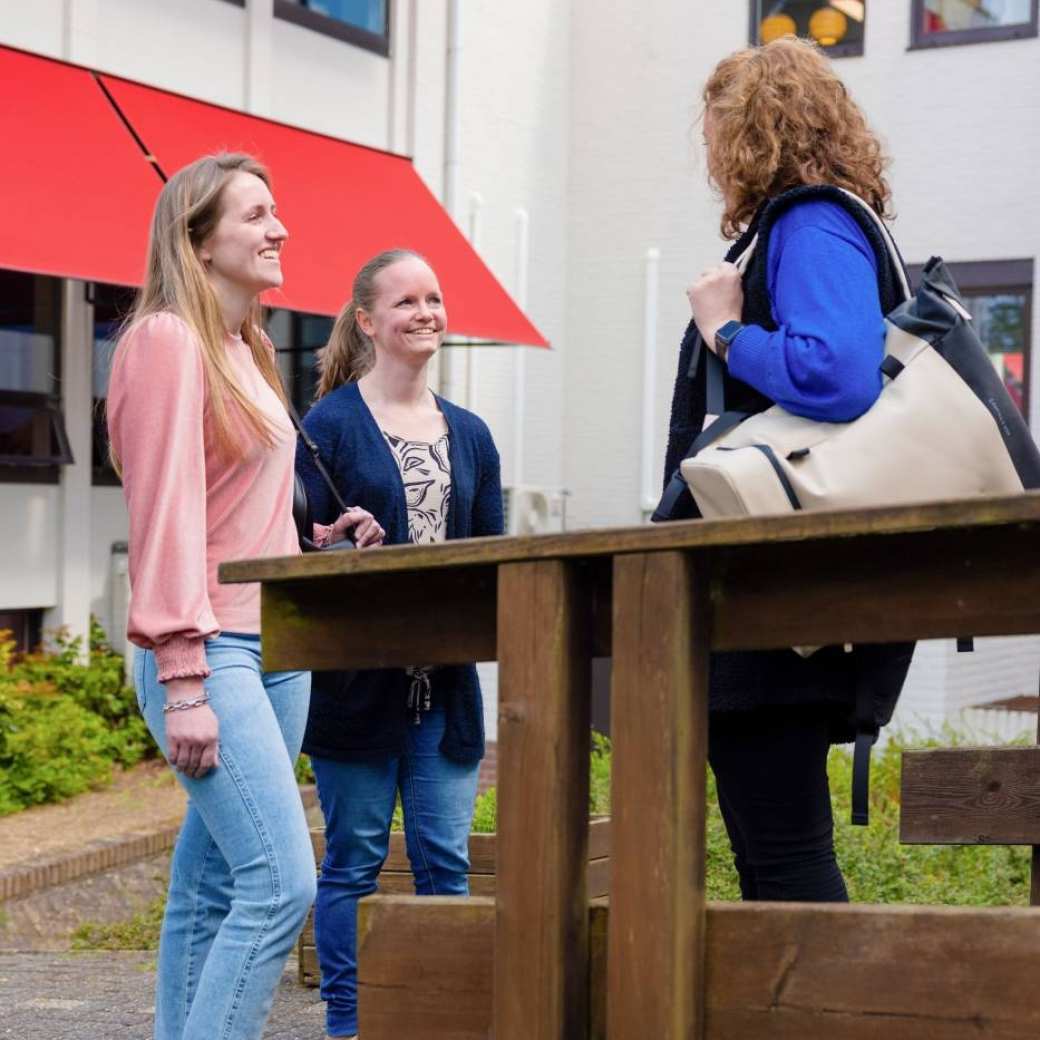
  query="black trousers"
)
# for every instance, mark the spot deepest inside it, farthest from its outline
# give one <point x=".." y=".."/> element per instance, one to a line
<point x="770" y="769"/>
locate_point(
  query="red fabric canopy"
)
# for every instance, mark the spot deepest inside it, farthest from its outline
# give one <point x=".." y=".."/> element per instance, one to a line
<point x="75" y="190"/>
<point x="341" y="202"/>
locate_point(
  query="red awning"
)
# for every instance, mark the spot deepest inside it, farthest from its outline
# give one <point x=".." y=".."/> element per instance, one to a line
<point x="341" y="202"/>
<point x="75" y="194"/>
<point x="78" y="190"/>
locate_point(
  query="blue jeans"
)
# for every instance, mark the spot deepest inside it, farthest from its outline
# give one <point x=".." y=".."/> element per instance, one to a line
<point x="242" y="877"/>
<point x="357" y="799"/>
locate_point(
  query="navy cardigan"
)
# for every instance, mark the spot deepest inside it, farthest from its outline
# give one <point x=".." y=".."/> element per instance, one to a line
<point x="364" y="714"/>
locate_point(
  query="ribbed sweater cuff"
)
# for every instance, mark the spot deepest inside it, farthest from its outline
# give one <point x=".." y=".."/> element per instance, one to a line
<point x="181" y="657"/>
<point x="750" y="358"/>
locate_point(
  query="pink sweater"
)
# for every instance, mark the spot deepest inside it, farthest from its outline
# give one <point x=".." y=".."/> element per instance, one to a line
<point x="190" y="510"/>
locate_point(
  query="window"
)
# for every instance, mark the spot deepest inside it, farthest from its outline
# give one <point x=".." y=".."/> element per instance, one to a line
<point x="297" y="338"/>
<point x="940" y="23"/>
<point x="25" y="626"/>
<point x="999" y="296"/>
<point x="112" y="303"/>
<point x="836" y="25"/>
<point x="32" y="432"/>
<point x="365" y="23"/>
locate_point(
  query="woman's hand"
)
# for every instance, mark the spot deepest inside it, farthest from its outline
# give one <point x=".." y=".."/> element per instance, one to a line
<point x="192" y="734"/>
<point x="366" y="529"/>
<point x="715" y="298"/>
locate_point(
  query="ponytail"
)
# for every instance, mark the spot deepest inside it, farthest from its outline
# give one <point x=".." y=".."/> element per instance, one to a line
<point x="347" y="356"/>
<point x="350" y="353"/>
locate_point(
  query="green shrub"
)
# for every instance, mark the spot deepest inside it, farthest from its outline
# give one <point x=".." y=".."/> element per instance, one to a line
<point x="64" y="724"/>
<point x="139" y="932"/>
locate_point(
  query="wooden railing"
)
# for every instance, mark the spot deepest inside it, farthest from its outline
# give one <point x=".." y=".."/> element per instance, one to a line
<point x="658" y="600"/>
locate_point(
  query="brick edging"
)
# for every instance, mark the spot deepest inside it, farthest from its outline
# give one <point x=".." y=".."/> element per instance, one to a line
<point x="97" y="856"/>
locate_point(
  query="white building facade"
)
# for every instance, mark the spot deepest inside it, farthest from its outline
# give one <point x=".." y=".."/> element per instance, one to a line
<point x="563" y="139"/>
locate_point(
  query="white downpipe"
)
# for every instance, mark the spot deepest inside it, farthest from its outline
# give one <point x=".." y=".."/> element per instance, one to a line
<point x="476" y="204"/>
<point x="521" y="227"/>
<point x="452" y="158"/>
<point x="648" y="496"/>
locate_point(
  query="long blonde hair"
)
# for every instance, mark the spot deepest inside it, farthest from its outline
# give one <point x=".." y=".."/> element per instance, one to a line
<point x="781" y="117"/>
<point x="187" y="211"/>
<point x="350" y="353"/>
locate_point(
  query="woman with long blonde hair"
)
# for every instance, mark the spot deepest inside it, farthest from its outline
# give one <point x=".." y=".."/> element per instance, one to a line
<point x="199" y="431"/>
<point x="802" y="327"/>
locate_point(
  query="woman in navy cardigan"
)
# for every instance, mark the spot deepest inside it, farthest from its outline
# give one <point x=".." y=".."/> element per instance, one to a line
<point x="429" y="471"/>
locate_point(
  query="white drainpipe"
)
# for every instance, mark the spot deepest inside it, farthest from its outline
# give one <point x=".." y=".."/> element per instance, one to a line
<point x="452" y="158"/>
<point x="649" y="495"/>
<point x="521" y="226"/>
<point x="476" y="204"/>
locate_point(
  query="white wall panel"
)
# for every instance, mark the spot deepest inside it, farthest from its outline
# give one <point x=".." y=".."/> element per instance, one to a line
<point x="29" y="519"/>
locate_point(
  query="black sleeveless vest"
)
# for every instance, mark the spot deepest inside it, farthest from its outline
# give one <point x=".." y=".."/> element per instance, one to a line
<point x="744" y="680"/>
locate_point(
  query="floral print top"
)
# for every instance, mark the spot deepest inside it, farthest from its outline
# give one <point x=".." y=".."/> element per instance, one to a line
<point x="426" y="475"/>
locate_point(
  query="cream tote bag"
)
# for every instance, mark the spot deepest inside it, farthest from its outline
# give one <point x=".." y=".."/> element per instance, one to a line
<point x="943" y="427"/>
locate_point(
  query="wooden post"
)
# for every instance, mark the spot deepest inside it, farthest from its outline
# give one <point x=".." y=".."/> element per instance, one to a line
<point x="541" y="936"/>
<point x="655" y="950"/>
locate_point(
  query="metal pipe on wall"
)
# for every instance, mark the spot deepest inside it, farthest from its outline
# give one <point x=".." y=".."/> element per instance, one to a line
<point x="649" y="484"/>
<point x="521" y="230"/>
<point x="476" y="204"/>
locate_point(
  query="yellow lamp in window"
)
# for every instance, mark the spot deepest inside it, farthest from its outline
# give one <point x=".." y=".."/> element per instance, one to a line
<point x="827" y="26"/>
<point x="775" y="26"/>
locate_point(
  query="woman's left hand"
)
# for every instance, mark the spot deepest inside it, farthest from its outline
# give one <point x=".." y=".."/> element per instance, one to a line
<point x="366" y="530"/>
<point x="715" y="298"/>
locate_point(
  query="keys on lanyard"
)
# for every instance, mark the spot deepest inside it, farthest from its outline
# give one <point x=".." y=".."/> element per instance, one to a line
<point x="419" y="693"/>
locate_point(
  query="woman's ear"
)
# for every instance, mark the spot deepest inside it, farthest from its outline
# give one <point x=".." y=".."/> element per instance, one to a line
<point x="364" y="321"/>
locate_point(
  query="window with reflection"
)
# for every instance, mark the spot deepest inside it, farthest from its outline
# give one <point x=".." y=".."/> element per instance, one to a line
<point x="297" y="339"/>
<point x="365" y="23"/>
<point x="999" y="296"/>
<point x="941" y="22"/>
<point x="836" y="25"/>
<point x="33" y="442"/>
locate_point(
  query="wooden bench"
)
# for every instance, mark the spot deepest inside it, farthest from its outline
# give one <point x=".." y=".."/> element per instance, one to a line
<point x="658" y="600"/>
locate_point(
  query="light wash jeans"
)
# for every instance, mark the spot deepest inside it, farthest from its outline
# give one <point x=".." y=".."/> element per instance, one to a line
<point x="242" y="877"/>
<point x="357" y="799"/>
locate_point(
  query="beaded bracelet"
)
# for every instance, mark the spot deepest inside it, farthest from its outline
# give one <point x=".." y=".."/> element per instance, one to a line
<point x="185" y="705"/>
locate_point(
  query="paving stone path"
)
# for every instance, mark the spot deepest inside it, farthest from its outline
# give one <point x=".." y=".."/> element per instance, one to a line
<point x="109" y="996"/>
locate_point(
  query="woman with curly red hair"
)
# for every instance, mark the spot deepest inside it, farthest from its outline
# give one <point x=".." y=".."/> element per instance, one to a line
<point x="801" y="326"/>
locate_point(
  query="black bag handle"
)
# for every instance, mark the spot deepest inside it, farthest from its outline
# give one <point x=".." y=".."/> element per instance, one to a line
<point x="302" y="508"/>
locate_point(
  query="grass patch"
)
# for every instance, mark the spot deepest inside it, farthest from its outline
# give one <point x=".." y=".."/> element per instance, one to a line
<point x="139" y="932"/>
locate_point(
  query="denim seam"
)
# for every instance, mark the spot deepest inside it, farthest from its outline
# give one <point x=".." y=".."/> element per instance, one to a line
<point x="418" y="830"/>
<point x="240" y="983"/>
<point x="189" y="995"/>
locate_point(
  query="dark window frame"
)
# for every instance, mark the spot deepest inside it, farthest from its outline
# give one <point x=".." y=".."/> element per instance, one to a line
<point x="29" y="635"/>
<point x="340" y="30"/>
<point x="992" y="277"/>
<point x="920" y="40"/>
<point x="838" y="50"/>
<point x="43" y="405"/>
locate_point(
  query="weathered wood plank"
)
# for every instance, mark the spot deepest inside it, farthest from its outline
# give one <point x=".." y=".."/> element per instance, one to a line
<point x="971" y="796"/>
<point x="1005" y="512"/>
<point x="943" y="584"/>
<point x="443" y="617"/>
<point x="786" y="971"/>
<point x="425" y="967"/>
<point x="541" y="945"/>
<point x="659" y="727"/>
<point x="964" y="581"/>
<point x="774" y="971"/>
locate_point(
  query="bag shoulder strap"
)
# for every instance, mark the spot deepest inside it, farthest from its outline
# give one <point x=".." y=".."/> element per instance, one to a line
<point x="315" y="455"/>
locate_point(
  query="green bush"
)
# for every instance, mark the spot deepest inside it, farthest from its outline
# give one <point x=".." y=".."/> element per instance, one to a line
<point x="64" y="724"/>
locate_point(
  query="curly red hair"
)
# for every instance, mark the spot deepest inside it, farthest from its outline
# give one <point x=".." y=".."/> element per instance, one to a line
<point x="780" y="118"/>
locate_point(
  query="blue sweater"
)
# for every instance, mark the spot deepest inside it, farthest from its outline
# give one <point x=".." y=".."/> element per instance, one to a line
<point x="366" y="716"/>
<point x="822" y="362"/>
